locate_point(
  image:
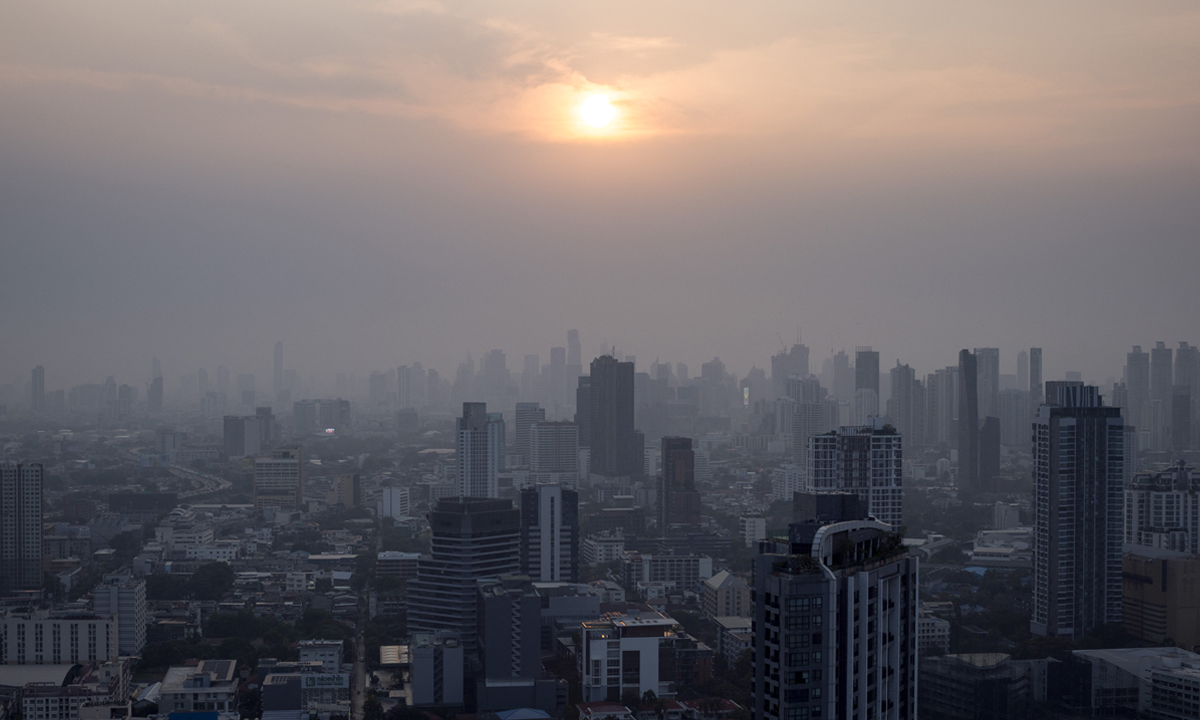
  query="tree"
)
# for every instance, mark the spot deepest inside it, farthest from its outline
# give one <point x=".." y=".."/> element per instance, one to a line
<point x="372" y="708"/>
<point x="211" y="581"/>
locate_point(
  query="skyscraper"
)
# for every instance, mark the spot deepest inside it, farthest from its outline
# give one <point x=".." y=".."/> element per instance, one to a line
<point x="471" y="539"/>
<point x="866" y="377"/>
<point x="527" y="413"/>
<point x="678" y="501"/>
<point x="480" y="451"/>
<point x="866" y="460"/>
<point x="968" y="422"/>
<point x="786" y="364"/>
<point x="37" y="397"/>
<point x="616" y="447"/>
<point x="906" y="407"/>
<point x="242" y="436"/>
<point x="987" y="367"/>
<point x="1022" y="370"/>
<point x="1187" y="374"/>
<point x="835" y="618"/>
<point x="1078" y="502"/>
<point x="123" y="597"/>
<point x="20" y="526"/>
<point x="277" y="375"/>
<point x="550" y="533"/>
<point x="1161" y="383"/>
<point x="1035" y="379"/>
<point x="1137" y="387"/>
<point x="154" y="395"/>
<point x="583" y="410"/>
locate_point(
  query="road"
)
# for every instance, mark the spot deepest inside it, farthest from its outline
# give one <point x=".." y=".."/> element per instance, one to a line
<point x="358" y="681"/>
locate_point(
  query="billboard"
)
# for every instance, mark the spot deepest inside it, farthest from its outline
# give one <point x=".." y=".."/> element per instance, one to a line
<point x="323" y="681"/>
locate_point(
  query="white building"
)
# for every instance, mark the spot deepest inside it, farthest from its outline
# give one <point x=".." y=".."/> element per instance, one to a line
<point x="752" y="528"/>
<point x="182" y="529"/>
<point x="326" y="652"/>
<point x="53" y="638"/>
<point x="602" y="548"/>
<point x="394" y="503"/>
<point x="1162" y="510"/>
<point x="933" y="636"/>
<point x="623" y="651"/>
<point x="125" y="597"/>
<point x="866" y="460"/>
<point x="686" y="571"/>
<point x="217" y="550"/>
<point x="550" y="533"/>
<point x="479" y="451"/>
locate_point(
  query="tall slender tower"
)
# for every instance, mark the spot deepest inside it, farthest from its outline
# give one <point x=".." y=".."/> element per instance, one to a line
<point x="20" y="526"/>
<point x="616" y="449"/>
<point x="1137" y="387"/>
<point x="1022" y="370"/>
<point x="550" y="533"/>
<point x="987" y="365"/>
<point x="277" y="376"/>
<point x="968" y="422"/>
<point x="678" y="501"/>
<point x="1035" y="378"/>
<point x="1078" y="512"/>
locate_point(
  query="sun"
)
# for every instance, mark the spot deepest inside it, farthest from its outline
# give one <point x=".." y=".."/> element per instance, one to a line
<point x="597" y="111"/>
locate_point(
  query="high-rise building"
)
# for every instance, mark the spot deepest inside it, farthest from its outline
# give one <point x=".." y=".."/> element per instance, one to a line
<point x="574" y="359"/>
<point x="154" y="395"/>
<point x="616" y="447"/>
<point x="394" y="503"/>
<point x="1035" y="380"/>
<point x="37" y="397"/>
<point x="866" y="370"/>
<point x="277" y="374"/>
<point x="1161" y="384"/>
<point x="20" y="526"/>
<point x="866" y="460"/>
<point x="678" y="501"/>
<point x="1014" y="418"/>
<point x="906" y="408"/>
<point x="321" y="416"/>
<point x="347" y="490"/>
<point x="1137" y="388"/>
<point x="479" y="451"/>
<point x="123" y="597"/>
<point x="1187" y="374"/>
<point x="1181" y="418"/>
<point x="968" y="422"/>
<point x="1022" y="370"/>
<point x="987" y="368"/>
<point x="279" y="479"/>
<point x="835" y="618"/>
<point x="550" y="533"/>
<point x="404" y="387"/>
<point x="527" y="413"/>
<point x="472" y="539"/>
<point x="1078" y="501"/>
<point x="787" y="364"/>
<point x="242" y="436"/>
<point x="941" y="402"/>
<point x="583" y="410"/>
<point x="554" y="453"/>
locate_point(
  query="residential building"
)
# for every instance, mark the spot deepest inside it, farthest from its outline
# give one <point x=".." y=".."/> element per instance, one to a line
<point x="1078" y="470"/>
<point x="527" y="413"/>
<point x="639" y="652"/>
<point x="472" y="539"/>
<point x="1014" y="418"/>
<point x="866" y="460"/>
<point x="550" y="533"/>
<point x="394" y="503"/>
<point x="725" y="595"/>
<point x="347" y="490"/>
<point x="752" y="528"/>
<point x="43" y="637"/>
<point x="735" y="637"/>
<point x="967" y="431"/>
<point x="686" y="571"/>
<point x="933" y="635"/>
<point x="1137" y="388"/>
<point x="836" y="622"/>
<point x="1162" y="510"/>
<point x="1036" y="396"/>
<point x="208" y="686"/>
<point x="20" y="526"/>
<point x="479" y="451"/>
<point x="124" y="597"/>
<point x="279" y="479"/>
<point x="602" y="548"/>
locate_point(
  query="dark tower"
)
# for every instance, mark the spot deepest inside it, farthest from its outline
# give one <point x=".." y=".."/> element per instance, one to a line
<point x="968" y="422"/>
<point x="615" y="450"/>
<point x="678" y="501"/>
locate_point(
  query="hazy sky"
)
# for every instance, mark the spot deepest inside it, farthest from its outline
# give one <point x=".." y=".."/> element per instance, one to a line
<point x="377" y="183"/>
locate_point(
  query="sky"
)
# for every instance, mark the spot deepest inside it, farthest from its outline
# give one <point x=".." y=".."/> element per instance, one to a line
<point x="378" y="183"/>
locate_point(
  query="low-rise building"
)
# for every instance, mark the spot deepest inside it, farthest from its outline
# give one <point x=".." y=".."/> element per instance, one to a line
<point x="42" y="637"/>
<point x="212" y="685"/>
<point x="735" y="637"/>
<point x="1160" y="595"/>
<point x="397" y="564"/>
<point x="623" y="653"/>
<point x="602" y="548"/>
<point x="973" y="687"/>
<point x="326" y="652"/>
<point x="93" y="684"/>
<point x="437" y="668"/>
<point x="687" y="571"/>
<point x="725" y="595"/>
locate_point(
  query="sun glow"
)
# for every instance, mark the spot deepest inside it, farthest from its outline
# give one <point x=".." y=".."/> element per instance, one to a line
<point x="597" y="111"/>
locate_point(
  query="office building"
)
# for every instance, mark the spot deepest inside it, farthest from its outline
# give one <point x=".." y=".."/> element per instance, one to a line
<point x="968" y="422"/>
<point x="989" y="454"/>
<point x="1014" y="418"/>
<point x="123" y="597"/>
<point x="554" y="453"/>
<point x="835" y="615"/>
<point x="277" y="370"/>
<point x="479" y="451"/>
<point x="242" y="437"/>
<point x="279" y="479"/>
<point x="906" y="407"/>
<point x="321" y="416"/>
<point x="639" y="653"/>
<point x="154" y="395"/>
<point x="987" y="367"/>
<point x="550" y="533"/>
<point x="100" y="690"/>
<point x="1137" y="387"/>
<point x="510" y="651"/>
<point x="527" y="413"/>
<point x="20" y="526"/>
<point x="472" y="539"/>
<point x="1187" y="374"/>
<point x="978" y="686"/>
<point x="678" y="501"/>
<point x="1162" y="683"/>
<point x="43" y="637"/>
<point x="1162" y="510"/>
<point x="1160" y="602"/>
<point x="788" y="364"/>
<point x="1036" y="390"/>
<point x="866" y="370"/>
<point x="866" y="460"/>
<point x="941" y="402"/>
<point x="1078" y="500"/>
<point x="616" y="448"/>
<point x="583" y="410"/>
